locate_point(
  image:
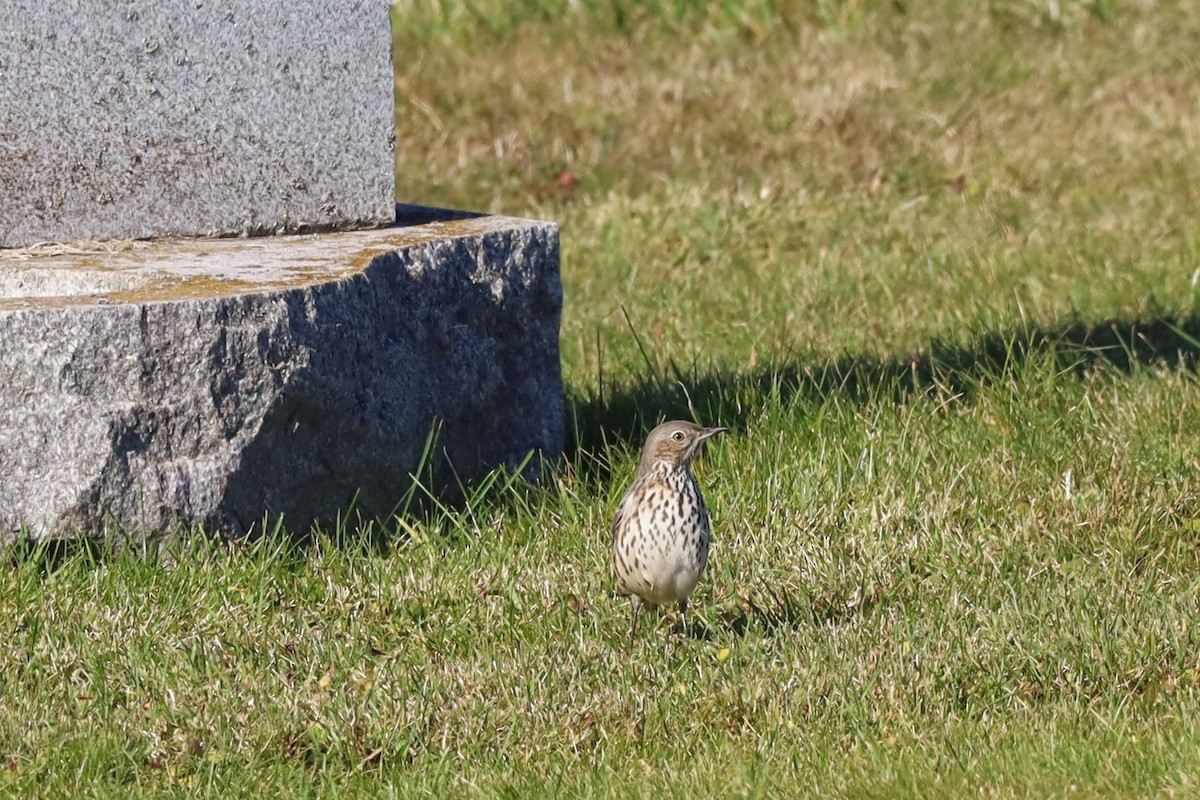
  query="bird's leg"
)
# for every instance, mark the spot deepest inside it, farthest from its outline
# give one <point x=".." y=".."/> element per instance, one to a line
<point x="683" y="604"/>
<point x="637" y="609"/>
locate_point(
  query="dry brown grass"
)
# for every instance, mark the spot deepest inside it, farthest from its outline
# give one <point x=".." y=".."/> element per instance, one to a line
<point x="974" y="101"/>
<point x="851" y="166"/>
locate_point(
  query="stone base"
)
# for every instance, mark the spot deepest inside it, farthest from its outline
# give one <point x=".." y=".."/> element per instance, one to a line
<point x="153" y="384"/>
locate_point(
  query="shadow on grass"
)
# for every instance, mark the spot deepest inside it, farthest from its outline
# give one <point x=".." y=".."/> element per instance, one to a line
<point x="44" y="557"/>
<point x="622" y="415"/>
<point x="778" y="611"/>
<point x="625" y="414"/>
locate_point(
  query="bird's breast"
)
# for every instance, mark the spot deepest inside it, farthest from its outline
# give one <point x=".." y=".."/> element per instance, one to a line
<point x="662" y="547"/>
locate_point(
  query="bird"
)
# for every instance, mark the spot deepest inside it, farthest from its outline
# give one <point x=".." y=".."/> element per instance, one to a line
<point x="661" y="531"/>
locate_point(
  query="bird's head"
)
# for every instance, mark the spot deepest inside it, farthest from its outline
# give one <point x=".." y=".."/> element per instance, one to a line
<point x="676" y="443"/>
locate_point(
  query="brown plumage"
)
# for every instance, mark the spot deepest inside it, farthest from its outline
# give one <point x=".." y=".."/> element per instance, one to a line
<point x="661" y="532"/>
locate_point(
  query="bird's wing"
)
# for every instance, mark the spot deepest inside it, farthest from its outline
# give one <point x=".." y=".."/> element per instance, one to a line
<point x="624" y="509"/>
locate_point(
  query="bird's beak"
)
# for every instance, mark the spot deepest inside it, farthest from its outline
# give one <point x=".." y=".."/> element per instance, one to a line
<point x="711" y="432"/>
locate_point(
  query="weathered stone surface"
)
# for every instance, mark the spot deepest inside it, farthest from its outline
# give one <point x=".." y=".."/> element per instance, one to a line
<point x="137" y="118"/>
<point x="214" y="380"/>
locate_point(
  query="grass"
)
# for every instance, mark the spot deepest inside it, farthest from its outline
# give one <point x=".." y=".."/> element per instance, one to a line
<point x="935" y="264"/>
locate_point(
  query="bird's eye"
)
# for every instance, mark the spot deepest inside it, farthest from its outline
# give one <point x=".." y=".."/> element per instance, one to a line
<point x="677" y="436"/>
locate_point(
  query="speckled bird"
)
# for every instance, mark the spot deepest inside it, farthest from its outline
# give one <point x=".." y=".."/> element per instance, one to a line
<point x="661" y="533"/>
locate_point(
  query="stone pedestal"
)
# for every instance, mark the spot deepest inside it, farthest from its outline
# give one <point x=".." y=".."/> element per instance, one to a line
<point x="220" y="380"/>
<point x="149" y="384"/>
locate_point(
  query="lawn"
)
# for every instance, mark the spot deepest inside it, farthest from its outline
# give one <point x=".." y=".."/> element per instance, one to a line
<point x="935" y="264"/>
